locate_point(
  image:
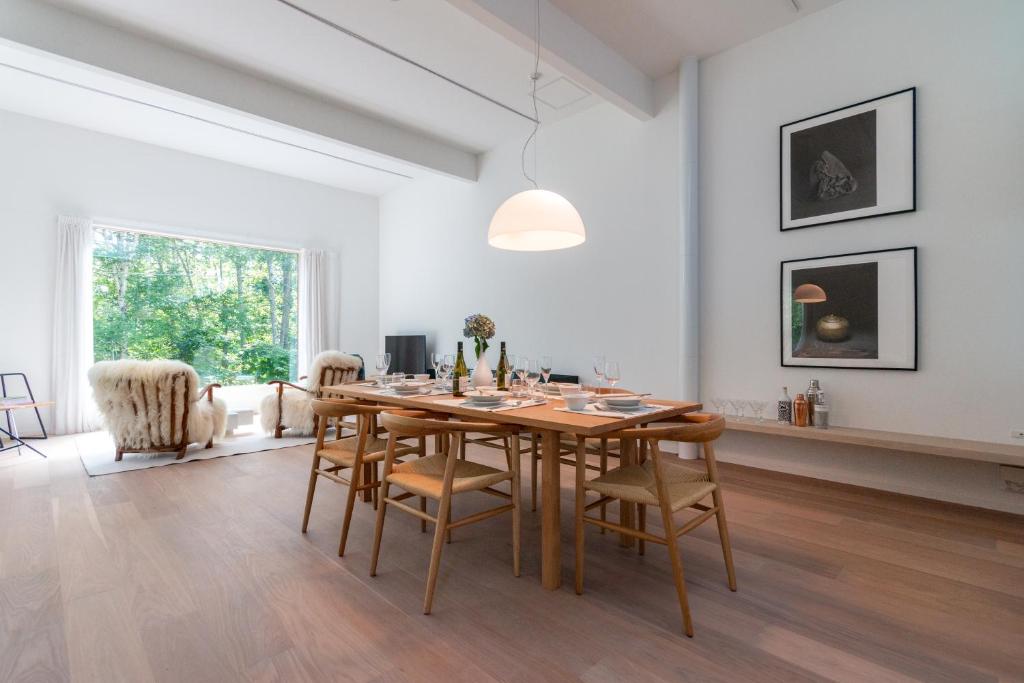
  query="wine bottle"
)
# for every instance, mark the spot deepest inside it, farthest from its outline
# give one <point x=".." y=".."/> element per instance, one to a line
<point x="460" y="374"/>
<point x="503" y="369"/>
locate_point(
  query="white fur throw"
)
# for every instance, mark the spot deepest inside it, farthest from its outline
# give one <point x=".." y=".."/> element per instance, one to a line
<point x="136" y="399"/>
<point x="297" y="407"/>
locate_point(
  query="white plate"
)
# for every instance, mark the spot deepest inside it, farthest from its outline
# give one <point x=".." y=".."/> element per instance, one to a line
<point x="622" y="401"/>
<point x="484" y="400"/>
<point x="630" y="408"/>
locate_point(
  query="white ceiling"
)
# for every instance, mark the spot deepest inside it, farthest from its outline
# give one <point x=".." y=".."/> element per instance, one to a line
<point x="269" y="39"/>
<point x="655" y="35"/>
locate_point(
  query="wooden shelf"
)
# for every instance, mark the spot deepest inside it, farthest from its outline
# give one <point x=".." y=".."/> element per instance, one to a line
<point x="982" y="451"/>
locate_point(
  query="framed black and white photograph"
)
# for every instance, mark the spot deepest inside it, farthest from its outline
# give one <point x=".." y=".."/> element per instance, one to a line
<point x="851" y="311"/>
<point x="849" y="163"/>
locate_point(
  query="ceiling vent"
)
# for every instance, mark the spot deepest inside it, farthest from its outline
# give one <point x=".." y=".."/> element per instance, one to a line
<point x="560" y="93"/>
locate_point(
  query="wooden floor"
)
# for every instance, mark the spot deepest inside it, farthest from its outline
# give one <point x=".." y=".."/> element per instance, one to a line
<point x="198" y="572"/>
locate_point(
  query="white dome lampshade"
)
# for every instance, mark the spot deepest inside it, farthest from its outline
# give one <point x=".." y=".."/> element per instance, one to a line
<point x="536" y="220"/>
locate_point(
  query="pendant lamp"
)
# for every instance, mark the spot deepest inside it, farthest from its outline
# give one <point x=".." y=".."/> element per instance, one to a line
<point x="536" y="220"/>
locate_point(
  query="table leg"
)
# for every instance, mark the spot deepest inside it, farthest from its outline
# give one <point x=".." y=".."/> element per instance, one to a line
<point x="627" y="511"/>
<point x="551" y="517"/>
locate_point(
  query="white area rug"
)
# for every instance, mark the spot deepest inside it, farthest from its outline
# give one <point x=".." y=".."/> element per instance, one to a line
<point x="96" y="449"/>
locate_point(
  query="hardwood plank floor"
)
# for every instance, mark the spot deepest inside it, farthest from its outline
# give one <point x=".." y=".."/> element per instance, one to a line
<point x="198" y="572"/>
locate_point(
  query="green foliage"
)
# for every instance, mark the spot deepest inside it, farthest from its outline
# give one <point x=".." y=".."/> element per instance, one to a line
<point x="230" y="312"/>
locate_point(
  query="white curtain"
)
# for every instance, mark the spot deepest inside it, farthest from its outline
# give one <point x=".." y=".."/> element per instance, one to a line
<point x="74" y="410"/>
<point x="312" y="306"/>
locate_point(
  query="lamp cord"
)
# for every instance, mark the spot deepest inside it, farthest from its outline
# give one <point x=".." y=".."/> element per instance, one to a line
<point x="533" y="96"/>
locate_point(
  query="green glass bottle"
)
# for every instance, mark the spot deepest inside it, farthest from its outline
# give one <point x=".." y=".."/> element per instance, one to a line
<point x="503" y="369"/>
<point x="460" y="376"/>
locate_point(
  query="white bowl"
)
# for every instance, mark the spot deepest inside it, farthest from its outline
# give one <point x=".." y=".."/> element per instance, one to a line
<point x="577" y="401"/>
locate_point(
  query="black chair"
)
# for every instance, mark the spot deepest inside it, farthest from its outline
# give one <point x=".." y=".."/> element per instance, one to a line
<point x="12" y="428"/>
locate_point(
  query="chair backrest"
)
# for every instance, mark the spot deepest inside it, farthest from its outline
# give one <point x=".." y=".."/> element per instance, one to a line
<point x="145" y="404"/>
<point x="415" y="423"/>
<point x="691" y="427"/>
<point x="333" y="367"/>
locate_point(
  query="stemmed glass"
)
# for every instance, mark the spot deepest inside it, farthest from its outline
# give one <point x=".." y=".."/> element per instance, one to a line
<point x="521" y="367"/>
<point x="383" y="361"/>
<point x="437" y="359"/>
<point x="447" y="367"/>
<point x="738" y="404"/>
<point x="758" y="408"/>
<point x="599" y="370"/>
<point x="545" y="368"/>
<point x="611" y="373"/>
<point x="719" y="404"/>
<point x="533" y="373"/>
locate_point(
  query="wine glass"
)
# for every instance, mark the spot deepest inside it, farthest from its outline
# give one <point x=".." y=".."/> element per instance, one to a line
<point x="758" y="407"/>
<point x="611" y="373"/>
<point x="447" y="366"/>
<point x="437" y="359"/>
<point x="738" y="404"/>
<point x="383" y="361"/>
<point x="719" y="404"/>
<point x="599" y="370"/>
<point x="522" y="366"/>
<point x="545" y="368"/>
<point x="533" y="374"/>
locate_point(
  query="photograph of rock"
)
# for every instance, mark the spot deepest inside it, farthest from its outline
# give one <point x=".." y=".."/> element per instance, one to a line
<point x="850" y="163"/>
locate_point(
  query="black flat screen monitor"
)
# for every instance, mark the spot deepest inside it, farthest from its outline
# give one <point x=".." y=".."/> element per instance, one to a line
<point x="408" y="353"/>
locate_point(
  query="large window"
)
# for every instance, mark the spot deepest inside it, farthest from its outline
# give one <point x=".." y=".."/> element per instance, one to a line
<point x="229" y="311"/>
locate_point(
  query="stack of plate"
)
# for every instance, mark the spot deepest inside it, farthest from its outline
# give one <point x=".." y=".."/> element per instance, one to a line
<point x="626" y="403"/>
<point x="408" y="388"/>
<point x="484" y="400"/>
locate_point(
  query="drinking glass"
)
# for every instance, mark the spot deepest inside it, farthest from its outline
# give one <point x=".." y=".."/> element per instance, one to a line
<point x="599" y="370"/>
<point x="517" y="388"/>
<point x="521" y="367"/>
<point x="719" y="404"/>
<point x="738" y="404"/>
<point x="758" y="407"/>
<point x="437" y="359"/>
<point x="611" y="373"/>
<point x="447" y="367"/>
<point x="533" y="374"/>
<point x="383" y="361"/>
<point x="545" y="368"/>
<point x="398" y="378"/>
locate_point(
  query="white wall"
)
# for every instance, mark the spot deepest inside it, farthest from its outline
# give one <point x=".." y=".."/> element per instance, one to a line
<point x="48" y="168"/>
<point x="616" y="294"/>
<point x="967" y="61"/>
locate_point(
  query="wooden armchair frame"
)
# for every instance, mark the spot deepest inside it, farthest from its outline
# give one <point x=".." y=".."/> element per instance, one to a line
<point x="140" y="405"/>
<point x="328" y="375"/>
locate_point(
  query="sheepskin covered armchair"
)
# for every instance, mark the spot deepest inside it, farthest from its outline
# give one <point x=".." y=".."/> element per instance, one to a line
<point x="291" y="406"/>
<point x="156" y="406"/>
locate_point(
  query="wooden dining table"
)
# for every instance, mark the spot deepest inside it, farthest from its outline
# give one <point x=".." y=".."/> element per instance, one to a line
<point x="544" y="420"/>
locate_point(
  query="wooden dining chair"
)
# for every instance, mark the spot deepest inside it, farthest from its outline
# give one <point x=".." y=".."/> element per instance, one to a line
<point x="359" y="453"/>
<point x="670" y="488"/>
<point x="440" y="476"/>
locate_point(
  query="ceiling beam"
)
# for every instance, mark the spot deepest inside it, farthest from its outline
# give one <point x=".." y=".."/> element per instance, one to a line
<point x="70" y="36"/>
<point x="569" y="48"/>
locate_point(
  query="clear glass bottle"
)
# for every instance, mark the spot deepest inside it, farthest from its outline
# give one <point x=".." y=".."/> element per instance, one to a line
<point x="785" y="407"/>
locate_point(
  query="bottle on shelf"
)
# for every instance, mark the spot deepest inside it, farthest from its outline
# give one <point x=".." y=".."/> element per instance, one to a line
<point x="821" y="412"/>
<point x="812" y="394"/>
<point x="785" y="407"/>
<point x="502" y="370"/>
<point x="800" y="418"/>
<point x="460" y="375"/>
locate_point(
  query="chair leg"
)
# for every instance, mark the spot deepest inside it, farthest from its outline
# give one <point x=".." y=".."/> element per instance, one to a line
<point x="209" y="444"/>
<point x="119" y="455"/>
<point x="516" y="503"/>
<point x="423" y="508"/>
<point x="604" y="471"/>
<point x="642" y="520"/>
<point x="448" y="532"/>
<point x="723" y="535"/>
<point x="278" y="430"/>
<point x="443" y="514"/>
<point x="181" y="453"/>
<point x="350" y="503"/>
<point x="462" y="449"/>
<point x="508" y="452"/>
<point x="374" y="483"/>
<point x="309" y="492"/>
<point x="581" y="476"/>
<point x="677" y="567"/>
<point x="533" y="472"/>
<point x="379" y="530"/>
